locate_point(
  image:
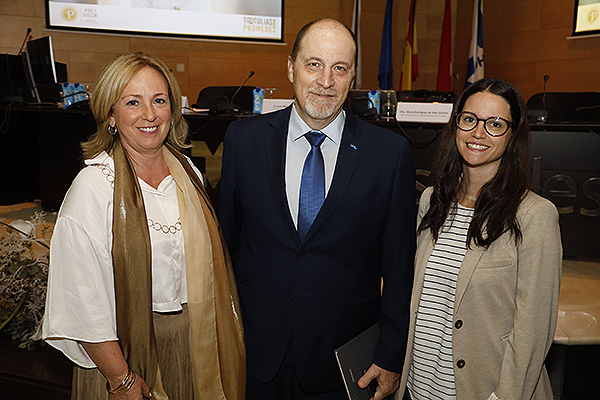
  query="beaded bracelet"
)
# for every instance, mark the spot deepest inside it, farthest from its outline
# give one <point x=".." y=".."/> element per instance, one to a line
<point x="125" y="384"/>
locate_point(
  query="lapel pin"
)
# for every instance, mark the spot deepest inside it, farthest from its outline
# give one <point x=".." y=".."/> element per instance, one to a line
<point x="353" y="146"/>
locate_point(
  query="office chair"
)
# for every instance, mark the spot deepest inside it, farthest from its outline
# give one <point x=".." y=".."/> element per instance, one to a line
<point x="567" y="107"/>
<point x="219" y="99"/>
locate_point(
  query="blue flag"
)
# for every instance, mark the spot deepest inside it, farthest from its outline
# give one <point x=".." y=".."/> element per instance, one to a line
<point x="475" y="65"/>
<point x="386" y="68"/>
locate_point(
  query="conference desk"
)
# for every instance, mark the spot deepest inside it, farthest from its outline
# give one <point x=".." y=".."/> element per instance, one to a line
<point x="40" y="154"/>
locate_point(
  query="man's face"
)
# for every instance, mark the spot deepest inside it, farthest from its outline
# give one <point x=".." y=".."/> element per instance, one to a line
<point x="322" y="73"/>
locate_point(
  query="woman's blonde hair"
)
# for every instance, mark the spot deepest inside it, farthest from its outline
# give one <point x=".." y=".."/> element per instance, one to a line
<point x="108" y="89"/>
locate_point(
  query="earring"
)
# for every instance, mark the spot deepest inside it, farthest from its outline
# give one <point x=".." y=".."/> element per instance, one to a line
<point x="112" y="130"/>
<point x="171" y="125"/>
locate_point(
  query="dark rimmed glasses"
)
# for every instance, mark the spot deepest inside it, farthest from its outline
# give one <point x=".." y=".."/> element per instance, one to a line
<point x="494" y="126"/>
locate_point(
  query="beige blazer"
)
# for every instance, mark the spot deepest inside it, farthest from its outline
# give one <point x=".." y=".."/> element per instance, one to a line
<point x="505" y="308"/>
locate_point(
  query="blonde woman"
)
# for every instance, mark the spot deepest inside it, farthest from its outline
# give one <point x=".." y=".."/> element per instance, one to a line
<point x="140" y="292"/>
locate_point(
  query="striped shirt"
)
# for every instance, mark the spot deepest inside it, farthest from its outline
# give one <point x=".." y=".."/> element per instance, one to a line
<point x="431" y="373"/>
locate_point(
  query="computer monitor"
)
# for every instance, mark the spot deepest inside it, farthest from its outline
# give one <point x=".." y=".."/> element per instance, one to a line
<point x="40" y="70"/>
<point x="14" y="88"/>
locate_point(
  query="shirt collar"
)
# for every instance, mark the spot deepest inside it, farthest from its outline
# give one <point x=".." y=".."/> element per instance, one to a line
<point x="333" y="131"/>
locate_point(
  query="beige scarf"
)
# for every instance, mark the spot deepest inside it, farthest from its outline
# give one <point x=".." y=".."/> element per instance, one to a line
<point x="216" y="333"/>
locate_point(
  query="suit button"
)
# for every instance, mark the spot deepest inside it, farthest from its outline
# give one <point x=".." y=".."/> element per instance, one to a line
<point x="458" y="324"/>
<point x="291" y="294"/>
<point x="301" y="254"/>
<point x="460" y="363"/>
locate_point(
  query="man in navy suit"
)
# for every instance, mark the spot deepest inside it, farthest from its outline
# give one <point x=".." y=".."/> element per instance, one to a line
<point x="307" y="288"/>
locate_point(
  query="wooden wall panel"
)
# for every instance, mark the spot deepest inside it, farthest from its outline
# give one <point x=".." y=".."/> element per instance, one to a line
<point x="523" y="41"/>
<point x="225" y="63"/>
<point x="527" y="39"/>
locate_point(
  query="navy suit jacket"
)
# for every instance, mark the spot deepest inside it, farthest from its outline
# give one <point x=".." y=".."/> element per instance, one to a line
<point x="322" y="291"/>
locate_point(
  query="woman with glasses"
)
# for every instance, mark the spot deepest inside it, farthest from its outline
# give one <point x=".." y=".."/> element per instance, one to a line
<point x="488" y="261"/>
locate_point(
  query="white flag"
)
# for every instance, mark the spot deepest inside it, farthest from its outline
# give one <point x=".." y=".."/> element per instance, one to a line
<point x="475" y="65"/>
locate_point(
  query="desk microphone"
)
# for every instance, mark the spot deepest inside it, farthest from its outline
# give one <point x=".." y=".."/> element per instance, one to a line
<point x="546" y="77"/>
<point x="540" y="116"/>
<point x="250" y="75"/>
<point x="24" y="41"/>
<point x="230" y="107"/>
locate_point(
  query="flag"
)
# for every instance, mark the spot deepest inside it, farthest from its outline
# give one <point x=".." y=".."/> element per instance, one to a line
<point x="444" y="79"/>
<point x="475" y="65"/>
<point x="356" y="30"/>
<point x="410" y="62"/>
<point x="386" y="69"/>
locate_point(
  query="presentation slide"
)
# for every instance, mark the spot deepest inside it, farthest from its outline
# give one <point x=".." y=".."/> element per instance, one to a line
<point x="227" y="19"/>
<point x="587" y="18"/>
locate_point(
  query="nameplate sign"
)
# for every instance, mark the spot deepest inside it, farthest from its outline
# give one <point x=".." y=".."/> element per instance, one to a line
<point x="270" y="105"/>
<point x="423" y="112"/>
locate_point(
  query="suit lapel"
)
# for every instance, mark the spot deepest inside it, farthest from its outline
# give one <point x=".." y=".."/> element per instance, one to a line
<point x="425" y="246"/>
<point x="348" y="155"/>
<point x="275" y="147"/>
<point x="466" y="272"/>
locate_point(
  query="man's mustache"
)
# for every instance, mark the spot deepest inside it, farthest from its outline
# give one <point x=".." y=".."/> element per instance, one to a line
<point x="324" y="92"/>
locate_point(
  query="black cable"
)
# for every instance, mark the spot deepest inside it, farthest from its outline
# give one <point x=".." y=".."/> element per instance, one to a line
<point x="74" y="94"/>
<point x="5" y="126"/>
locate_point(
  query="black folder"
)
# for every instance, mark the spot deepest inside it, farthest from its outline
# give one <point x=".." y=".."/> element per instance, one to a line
<point x="354" y="359"/>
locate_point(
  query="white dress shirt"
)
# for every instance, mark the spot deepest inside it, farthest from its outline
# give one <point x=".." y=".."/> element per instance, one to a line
<point x="297" y="148"/>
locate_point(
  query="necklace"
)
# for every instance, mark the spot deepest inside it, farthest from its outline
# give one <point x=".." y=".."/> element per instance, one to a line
<point x="164" y="228"/>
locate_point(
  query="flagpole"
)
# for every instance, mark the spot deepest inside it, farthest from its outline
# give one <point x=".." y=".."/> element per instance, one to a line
<point x="356" y="17"/>
<point x="444" y="79"/>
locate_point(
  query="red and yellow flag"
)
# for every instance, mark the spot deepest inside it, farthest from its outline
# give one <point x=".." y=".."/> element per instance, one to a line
<point x="444" y="77"/>
<point x="410" y="62"/>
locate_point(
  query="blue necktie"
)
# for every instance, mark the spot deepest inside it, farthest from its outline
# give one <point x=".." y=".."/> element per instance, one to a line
<point x="312" y="187"/>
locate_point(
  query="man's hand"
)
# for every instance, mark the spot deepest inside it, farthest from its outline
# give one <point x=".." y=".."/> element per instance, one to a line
<point x="387" y="381"/>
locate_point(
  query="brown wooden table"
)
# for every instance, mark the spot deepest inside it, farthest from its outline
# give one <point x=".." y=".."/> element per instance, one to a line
<point x="42" y="374"/>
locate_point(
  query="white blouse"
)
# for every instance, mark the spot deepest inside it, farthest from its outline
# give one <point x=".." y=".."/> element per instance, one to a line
<point x="80" y="303"/>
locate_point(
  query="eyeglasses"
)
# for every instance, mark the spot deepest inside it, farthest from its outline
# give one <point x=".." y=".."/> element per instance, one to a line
<point x="494" y="126"/>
